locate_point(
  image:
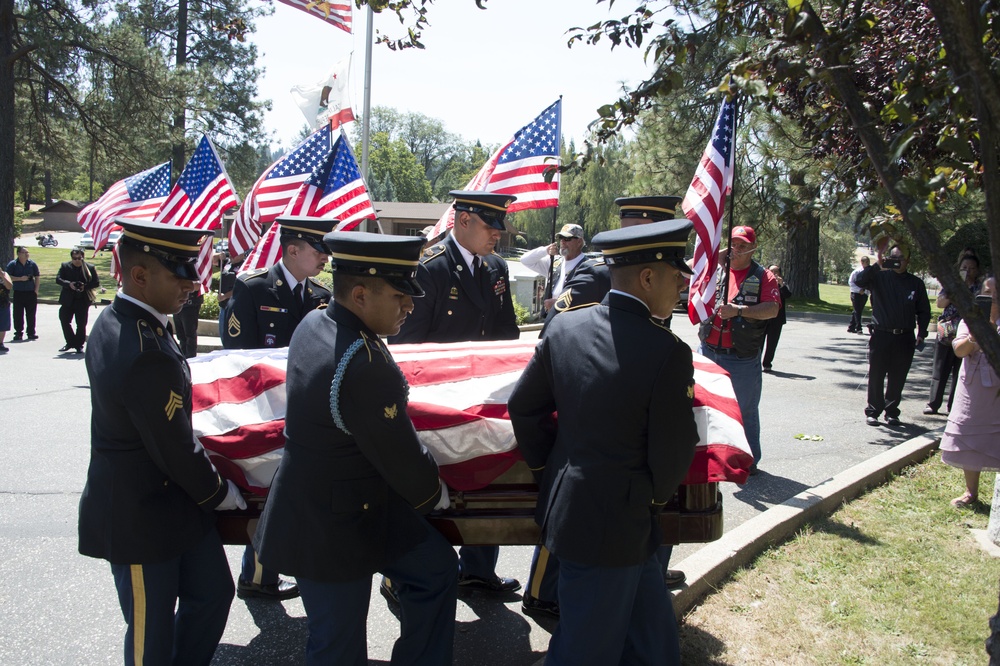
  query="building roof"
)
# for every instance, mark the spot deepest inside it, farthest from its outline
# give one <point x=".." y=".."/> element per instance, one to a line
<point x="62" y="205"/>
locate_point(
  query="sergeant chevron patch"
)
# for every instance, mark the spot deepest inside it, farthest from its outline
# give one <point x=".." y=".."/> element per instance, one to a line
<point x="173" y="402"/>
<point x="233" y="326"/>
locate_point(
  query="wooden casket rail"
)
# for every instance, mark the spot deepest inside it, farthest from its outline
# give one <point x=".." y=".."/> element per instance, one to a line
<point x="503" y="514"/>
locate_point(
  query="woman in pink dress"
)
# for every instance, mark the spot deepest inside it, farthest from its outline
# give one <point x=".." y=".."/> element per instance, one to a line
<point x="971" y="439"/>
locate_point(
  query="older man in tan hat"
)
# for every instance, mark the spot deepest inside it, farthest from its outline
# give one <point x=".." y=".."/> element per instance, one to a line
<point x="567" y="248"/>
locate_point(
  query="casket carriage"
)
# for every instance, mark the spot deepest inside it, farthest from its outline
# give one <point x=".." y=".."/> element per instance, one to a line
<point x="458" y="395"/>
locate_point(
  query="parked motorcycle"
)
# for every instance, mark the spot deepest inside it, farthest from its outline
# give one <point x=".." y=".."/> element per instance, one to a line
<point x="46" y="240"/>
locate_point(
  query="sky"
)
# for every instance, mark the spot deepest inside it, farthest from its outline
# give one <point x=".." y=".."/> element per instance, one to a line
<point x="484" y="73"/>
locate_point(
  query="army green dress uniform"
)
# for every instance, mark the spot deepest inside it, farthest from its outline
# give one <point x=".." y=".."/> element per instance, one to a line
<point x="602" y="482"/>
<point x="354" y="479"/>
<point x="148" y="504"/>
<point x="264" y="312"/>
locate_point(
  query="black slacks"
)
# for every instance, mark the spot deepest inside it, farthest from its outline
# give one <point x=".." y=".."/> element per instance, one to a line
<point x="889" y="359"/>
<point x="78" y="309"/>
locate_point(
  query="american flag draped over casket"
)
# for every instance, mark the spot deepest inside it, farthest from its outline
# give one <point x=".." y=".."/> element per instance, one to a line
<point x="458" y="404"/>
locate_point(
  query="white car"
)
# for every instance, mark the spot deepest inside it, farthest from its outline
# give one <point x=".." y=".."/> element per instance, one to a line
<point x="86" y="241"/>
<point x="112" y="239"/>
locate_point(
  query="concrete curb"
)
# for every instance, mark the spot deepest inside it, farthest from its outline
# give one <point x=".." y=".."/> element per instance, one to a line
<point x="711" y="565"/>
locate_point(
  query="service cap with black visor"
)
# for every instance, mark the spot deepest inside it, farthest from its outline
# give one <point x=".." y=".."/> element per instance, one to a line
<point x="310" y="230"/>
<point x="393" y="258"/>
<point x="177" y="248"/>
<point x="645" y="209"/>
<point x="659" y="241"/>
<point x="489" y="206"/>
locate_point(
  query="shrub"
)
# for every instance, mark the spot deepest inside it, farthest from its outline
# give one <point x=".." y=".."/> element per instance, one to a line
<point x="209" y="306"/>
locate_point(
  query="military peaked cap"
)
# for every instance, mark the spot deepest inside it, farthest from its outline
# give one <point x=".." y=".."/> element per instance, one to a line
<point x="309" y="229"/>
<point x="652" y="209"/>
<point x="392" y="258"/>
<point x="646" y="243"/>
<point x="492" y="208"/>
<point x="177" y="248"/>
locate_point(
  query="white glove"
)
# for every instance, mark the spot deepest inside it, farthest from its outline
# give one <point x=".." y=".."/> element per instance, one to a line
<point x="234" y="499"/>
<point x="444" y="501"/>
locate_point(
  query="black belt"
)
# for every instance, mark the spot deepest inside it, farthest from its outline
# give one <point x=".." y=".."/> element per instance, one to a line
<point x="894" y="331"/>
<point x="721" y="350"/>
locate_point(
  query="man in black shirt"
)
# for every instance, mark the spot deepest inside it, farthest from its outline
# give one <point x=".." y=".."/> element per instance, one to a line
<point x="899" y="299"/>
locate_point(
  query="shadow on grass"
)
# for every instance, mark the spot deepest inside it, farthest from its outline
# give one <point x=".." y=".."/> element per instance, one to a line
<point x="700" y="647"/>
<point x="837" y="529"/>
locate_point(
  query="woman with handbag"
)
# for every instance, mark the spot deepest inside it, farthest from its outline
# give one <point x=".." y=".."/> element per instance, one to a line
<point x="78" y="280"/>
<point x="946" y="364"/>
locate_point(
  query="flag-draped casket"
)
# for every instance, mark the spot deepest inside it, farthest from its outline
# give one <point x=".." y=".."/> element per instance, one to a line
<point x="458" y="404"/>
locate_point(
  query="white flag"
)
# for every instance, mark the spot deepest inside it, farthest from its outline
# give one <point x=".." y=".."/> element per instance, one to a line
<point x="328" y="100"/>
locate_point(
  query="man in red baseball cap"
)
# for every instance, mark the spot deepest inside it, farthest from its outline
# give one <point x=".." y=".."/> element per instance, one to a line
<point x="734" y="335"/>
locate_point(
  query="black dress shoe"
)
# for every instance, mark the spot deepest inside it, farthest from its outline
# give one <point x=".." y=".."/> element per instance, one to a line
<point x="535" y="607"/>
<point x="79" y="350"/>
<point x="64" y="348"/>
<point x="675" y="578"/>
<point x="496" y="584"/>
<point x="277" y="591"/>
<point x="32" y="337"/>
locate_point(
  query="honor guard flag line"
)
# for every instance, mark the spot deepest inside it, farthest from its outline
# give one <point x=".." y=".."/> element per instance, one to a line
<point x="335" y="190"/>
<point x="704" y="205"/>
<point x="519" y="168"/>
<point x="335" y="13"/>
<point x="458" y="403"/>
<point x="137" y="197"/>
<point x="275" y="189"/>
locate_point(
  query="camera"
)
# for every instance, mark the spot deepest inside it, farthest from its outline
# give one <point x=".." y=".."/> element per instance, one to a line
<point x="892" y="263"/>
<point x="984" y="301"/>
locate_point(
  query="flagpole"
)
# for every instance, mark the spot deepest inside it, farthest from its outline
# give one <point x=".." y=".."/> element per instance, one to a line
<point x="555" y="212"/>
<point x="368" y="95"/>
<point x="737" y="110"/>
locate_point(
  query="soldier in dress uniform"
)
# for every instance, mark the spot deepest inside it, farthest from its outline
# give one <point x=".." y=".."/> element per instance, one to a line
<point x="263" y="311"/>
<point x="467" y="297"/>
<point x="602" y="482"/>
<point x="149" y="503"/>
<point x="589" y="285"/>
<point x="354" y="478"/>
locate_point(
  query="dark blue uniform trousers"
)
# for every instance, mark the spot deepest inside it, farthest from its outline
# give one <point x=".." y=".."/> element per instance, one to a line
<point x="478" y="561"/>
<point x="543" y="579"/>
<point x="614" y="615"/>
<point x="254" y="572"/>
<point x="425" y="580"/>
<point x="200" y="585"/>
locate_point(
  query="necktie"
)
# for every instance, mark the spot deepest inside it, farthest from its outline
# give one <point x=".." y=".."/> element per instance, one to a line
<point x="477" y="270"/>
<point x="297" y="293"/>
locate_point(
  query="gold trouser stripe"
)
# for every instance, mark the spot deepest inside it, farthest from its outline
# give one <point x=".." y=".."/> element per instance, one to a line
<point x="138" y="614"/>
<point x="258" y="570"/>
<point x="539" y="572"/>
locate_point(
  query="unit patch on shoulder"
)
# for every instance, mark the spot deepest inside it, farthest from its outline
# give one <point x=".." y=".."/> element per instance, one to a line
<point x="233" y="326"/>
<point x="431" y="252"/>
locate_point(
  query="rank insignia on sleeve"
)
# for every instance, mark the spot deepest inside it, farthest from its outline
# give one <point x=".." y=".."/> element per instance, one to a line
<point x="173" y="403"/>
<point x="390" y="412"/>
<point x="233" y="326"/>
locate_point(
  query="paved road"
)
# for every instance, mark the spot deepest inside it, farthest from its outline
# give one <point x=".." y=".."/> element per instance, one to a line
<point x="60" y="608"/>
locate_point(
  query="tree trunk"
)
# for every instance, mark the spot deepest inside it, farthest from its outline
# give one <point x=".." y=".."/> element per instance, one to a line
<point x="47" y="179"/>
<point x="180" y="61"/>
<point x="801" y="261"/>
<point x="6" y="131"/>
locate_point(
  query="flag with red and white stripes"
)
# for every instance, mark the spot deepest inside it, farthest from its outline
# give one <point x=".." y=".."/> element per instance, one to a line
<point x="137" y="197"/>
<point x="275" y="188"/>
<point x="704" y="204"/>
<point x="458" y="404"/>
<point x="519" y="168"/>
<point x="334" y="13"/>
<point x="335" y="190"/>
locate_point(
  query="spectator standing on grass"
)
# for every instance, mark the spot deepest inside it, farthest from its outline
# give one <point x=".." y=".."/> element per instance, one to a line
<point x="773" y="331"/>
<point x="971" y="440"/>
<point x="946" y="363"/>
<point x="5" y="288"/>
<point x="859" y="297"/>
<point x="24" y="274"/>
<point x="78" y="279"/>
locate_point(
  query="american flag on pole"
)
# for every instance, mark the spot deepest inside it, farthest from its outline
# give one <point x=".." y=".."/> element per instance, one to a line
<point x="199" y="198"/>
<point x="458" y="404"/>
<point x="136" y="197"/>
<point x="519" y="168"/>
<point x="335" y="190"/>
<point x="704" y="205"/>
<point x="336" y="13"/>
<point x="275" y="188"/>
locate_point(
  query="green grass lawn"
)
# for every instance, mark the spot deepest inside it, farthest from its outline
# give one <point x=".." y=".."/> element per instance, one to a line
<point x="50" y="258"/>
<point x="836" y="299"/>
